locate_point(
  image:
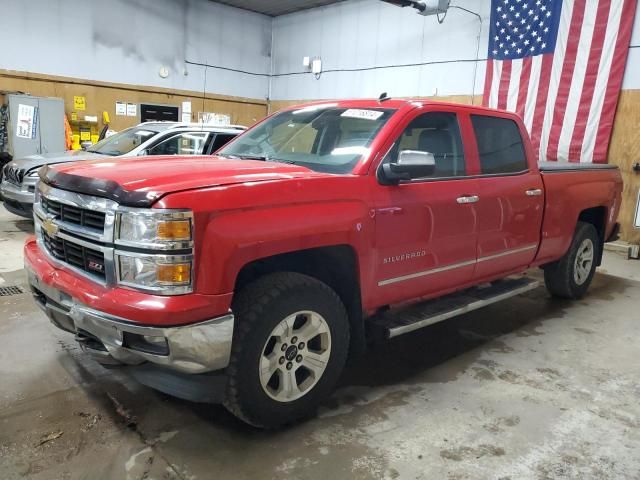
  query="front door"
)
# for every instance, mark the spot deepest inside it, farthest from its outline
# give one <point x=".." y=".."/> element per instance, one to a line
<point x="426" y="227"/>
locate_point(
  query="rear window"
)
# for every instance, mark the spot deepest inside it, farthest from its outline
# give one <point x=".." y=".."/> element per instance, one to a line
<point x="499" y="145"/>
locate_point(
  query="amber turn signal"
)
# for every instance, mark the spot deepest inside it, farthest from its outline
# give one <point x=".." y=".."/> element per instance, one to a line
<point x="174" y="273"/>
<point x="174" y="230"/>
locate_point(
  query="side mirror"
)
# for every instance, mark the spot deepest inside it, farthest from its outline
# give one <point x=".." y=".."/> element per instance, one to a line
<point x="411" y="164"/>
<point x="143" y="153"/>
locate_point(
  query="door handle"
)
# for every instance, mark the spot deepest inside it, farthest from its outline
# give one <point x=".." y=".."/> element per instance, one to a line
<point x="534" y="192"/>
<point x="468" y="199"/>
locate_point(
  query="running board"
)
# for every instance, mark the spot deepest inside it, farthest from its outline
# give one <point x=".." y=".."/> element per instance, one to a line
<point x="405" y="320"/>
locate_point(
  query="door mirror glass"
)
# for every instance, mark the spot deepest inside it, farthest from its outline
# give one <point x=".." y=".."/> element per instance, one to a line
<point x="410" y="164"/>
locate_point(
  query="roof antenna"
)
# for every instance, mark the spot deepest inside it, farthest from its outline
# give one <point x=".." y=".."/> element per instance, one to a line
<point x="383" y="97"/>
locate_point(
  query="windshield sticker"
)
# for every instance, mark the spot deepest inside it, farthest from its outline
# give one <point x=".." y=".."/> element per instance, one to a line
<point x="144" y="133"/>
<point x="363" y="114"/>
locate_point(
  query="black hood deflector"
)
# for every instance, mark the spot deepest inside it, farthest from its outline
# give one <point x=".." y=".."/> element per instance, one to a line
<point x="98" y="188"/>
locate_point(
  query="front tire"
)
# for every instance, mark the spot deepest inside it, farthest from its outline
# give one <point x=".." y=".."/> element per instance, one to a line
<point x="571" y="276"/>
<point x="289" y="349"/>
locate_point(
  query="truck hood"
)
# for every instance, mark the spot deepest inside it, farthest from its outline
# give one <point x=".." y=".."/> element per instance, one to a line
<point x="35" y="161"/>
<point x="142" y="181"/>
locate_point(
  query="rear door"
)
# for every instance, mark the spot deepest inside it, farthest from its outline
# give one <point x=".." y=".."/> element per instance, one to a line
<point x="511" y="200"/>
<point x="425" y="228"/>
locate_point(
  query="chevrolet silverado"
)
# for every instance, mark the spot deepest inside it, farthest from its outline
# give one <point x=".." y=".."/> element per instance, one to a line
<point x="249" y="280"/>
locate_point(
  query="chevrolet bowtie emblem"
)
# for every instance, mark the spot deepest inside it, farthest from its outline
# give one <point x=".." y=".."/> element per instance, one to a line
<point x="50" y="227"/>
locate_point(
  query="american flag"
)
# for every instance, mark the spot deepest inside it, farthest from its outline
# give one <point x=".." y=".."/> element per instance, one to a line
<point x="559" y="65"/>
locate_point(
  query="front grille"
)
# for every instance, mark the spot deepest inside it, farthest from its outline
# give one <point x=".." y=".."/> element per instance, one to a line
<point x="14" y="175"/>
<point x="75" y="215"/>
<point x="83" y="258"/>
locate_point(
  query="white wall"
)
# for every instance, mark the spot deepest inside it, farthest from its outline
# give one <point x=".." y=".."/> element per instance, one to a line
<point x="126" y="41"/>
<point x="365" y="33"/>
<point x="632" y="73"/>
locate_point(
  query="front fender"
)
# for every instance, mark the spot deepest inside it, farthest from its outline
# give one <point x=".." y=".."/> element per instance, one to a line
<point x="236" y="238"/>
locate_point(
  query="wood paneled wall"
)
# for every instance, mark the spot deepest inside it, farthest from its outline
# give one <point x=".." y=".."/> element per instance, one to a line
<point x="102" y="96"/>
<point x="624" y="151"/>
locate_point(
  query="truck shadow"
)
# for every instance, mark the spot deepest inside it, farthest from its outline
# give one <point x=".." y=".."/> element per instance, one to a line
<point x="452" y="346"/>
<point x="409" y="358"/>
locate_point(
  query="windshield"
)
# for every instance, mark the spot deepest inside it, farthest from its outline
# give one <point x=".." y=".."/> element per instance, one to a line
<point x="123" y="142"/>
<point x="322" y="138"/>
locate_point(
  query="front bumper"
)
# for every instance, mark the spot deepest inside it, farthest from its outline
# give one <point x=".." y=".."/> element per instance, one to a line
<point x="195" y="348"/>
<point x="18" y="200"/>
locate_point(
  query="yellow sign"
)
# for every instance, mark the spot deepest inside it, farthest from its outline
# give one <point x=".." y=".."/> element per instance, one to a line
<point x="79" y="103"/>
<point x="74" y="117"/>
<point x="85" y="135"/>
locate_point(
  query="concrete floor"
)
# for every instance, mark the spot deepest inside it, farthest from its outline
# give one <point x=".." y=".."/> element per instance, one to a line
<point x="529" y="388"/>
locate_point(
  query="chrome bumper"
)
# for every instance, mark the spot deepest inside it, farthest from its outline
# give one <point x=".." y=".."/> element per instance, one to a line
<point x="18" y="194"/>
<point x="196" y="348"/>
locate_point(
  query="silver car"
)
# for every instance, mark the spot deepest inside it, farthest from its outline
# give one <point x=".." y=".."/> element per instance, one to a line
<point x="150" y="138"/>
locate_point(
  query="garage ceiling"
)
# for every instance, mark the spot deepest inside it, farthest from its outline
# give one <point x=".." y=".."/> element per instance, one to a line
<point x="276" y="7"/>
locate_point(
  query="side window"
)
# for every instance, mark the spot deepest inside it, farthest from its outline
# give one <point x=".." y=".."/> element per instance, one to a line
<point x="499" y="145"/>
<point x="437" y="133"/>
<point x="188" y="143"/>
<point x="220" y="140"/>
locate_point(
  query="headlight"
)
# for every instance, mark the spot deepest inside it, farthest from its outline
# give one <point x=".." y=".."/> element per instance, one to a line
<point x="161" y="230"/>
<point x="33" y="173"/>
<point x="162" y="274"/>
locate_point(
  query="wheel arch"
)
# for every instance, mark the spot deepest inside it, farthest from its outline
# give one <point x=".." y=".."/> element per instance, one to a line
<point x="337" y="266"/>
<point x="596" y="216"/>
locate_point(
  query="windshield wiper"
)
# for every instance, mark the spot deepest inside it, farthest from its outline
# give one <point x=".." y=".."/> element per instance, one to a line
<point x="279" y="160"/>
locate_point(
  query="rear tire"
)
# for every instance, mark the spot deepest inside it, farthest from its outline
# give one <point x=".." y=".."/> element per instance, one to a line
<point x="571" y="276"/>
<point x="289" y="348"/>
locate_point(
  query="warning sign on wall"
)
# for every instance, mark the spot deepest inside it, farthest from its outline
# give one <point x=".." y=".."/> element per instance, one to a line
<point x="79" y="103"/>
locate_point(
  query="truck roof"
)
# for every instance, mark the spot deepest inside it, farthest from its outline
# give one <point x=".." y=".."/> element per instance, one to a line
<point x="395" y="103"/>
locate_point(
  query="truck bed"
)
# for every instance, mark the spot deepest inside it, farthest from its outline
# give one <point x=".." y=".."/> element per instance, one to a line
<point x="572" y="190"/>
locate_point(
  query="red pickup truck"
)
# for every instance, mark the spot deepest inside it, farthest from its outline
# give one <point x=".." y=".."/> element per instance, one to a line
<point x="249" y="278"/>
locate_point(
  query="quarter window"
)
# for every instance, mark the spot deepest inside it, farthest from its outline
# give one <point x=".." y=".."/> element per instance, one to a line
<point x="437" y="133"/>
<point x="499" y="145"/>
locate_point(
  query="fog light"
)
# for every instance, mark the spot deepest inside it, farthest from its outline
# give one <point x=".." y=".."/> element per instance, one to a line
<point x="156" y="345"/>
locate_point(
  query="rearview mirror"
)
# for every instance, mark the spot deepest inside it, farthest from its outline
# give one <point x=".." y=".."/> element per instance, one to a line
<point x="411" y="164"/>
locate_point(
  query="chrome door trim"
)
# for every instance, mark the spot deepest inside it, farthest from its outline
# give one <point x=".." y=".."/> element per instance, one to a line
<point x="453" y="266"/>
<point x="426" y="272"/>
<point x="508" y="252"/>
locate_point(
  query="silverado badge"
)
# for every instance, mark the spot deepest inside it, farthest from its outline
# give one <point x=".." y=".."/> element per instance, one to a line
<point x="50" y="227"/>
